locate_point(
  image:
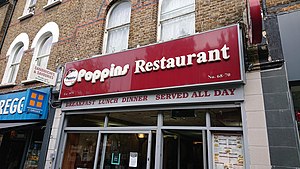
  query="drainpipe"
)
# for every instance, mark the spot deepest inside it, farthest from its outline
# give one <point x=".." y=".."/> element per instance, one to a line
<point x="8" y="23"/>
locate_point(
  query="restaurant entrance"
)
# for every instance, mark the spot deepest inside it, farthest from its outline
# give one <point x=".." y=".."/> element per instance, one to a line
<point x="164" y="139"/>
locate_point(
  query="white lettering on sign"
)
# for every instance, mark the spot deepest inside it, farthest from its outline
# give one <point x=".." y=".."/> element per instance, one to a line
<point x="142" y="66"/>
<point x="11" y="106"/>
<point x="216" y="95"/>
<point x="100" y="75"/>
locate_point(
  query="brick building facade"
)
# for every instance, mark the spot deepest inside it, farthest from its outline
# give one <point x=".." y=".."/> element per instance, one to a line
<point x="81" y="33"/>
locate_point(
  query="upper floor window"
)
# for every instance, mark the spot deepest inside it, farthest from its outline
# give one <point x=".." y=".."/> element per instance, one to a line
<point x="14" y="65"/>
<point x="15" y="53"/>
<point x="42" y="44"/>
<point x="29" y="7"/>
<point x="177" y="19"/>
<point x="117" y="27"/>
<point x="44" y="51"/>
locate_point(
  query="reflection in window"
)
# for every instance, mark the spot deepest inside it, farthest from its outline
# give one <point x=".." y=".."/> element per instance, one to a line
<point x="226" y="117"/>
<point x="123" y="119"/>
<point x="184" y="118"/>
<point x="117" y="29"/>
<point x="44" y="52"/>
<point x="177" y="18"/>
<point x="29" y="7"/>
<point x="86" y="120"/>
<point x="80" y="150"/>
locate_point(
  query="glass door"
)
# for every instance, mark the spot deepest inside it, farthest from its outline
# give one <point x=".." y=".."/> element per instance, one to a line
<point x="184" y="149"/>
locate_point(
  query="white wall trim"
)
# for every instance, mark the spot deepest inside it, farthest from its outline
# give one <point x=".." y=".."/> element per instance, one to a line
<point x="49" y="28"/>
<point x="21" y="38"/>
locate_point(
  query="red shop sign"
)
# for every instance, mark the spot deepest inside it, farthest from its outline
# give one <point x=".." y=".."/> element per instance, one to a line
<point x="202" y="59"/>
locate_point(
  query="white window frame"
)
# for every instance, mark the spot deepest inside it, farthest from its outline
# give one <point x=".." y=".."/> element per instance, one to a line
<point x="21" y="40"/>
<point x="159" y="27"/>
<point x="28" y="9"/>
<point x="50" y="29"/>
<point x="105" y="37"/>
<point x="52" y="3"/>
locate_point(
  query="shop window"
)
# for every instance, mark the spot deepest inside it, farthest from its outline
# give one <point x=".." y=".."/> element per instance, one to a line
<point x="28" y="9"/>
<point x="226" y="117"/>
<point x="87" y="120"/>
<point x="80" y="150"/>
<point x="34" y="149"/>
<point x="177" y="19"/>
<point x="184" y="118"/>
<point x="15" y="53"/>
<point x="117" y="28"/>
<point x="123" y="119"/>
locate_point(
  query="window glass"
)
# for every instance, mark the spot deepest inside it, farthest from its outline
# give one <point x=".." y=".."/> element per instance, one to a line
<point x="123" y="119"/>
<point x="29" y="7"/>
<point x="86" y="120"/>
<point x="44" y="52"/>
<point x="118" y="28"/>
<point x="184" y="118"/>
<point x="80" y="150"/>
<point x="229" y="117"/>
<point x="177" y="18"/>
<point x="13" y="69"/>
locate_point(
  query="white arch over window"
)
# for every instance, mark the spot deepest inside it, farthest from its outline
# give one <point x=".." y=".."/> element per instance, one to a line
<point x="117" y="27"/>
<point x="176" y="19"/>
<point x="15" y="53"/>
<point x="21" y="38"/>
<point x="49" y="28"/>
<point x="42" y="44"/>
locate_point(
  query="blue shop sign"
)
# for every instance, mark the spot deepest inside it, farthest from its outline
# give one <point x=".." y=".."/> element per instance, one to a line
<point x="28" y="105"/>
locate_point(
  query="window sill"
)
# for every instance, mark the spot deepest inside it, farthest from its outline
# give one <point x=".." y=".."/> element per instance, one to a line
<point x="26" y="16"/>
<point x="29" y="81"/>
<point x="7" y="85"/>
<point x="51" y="4"/>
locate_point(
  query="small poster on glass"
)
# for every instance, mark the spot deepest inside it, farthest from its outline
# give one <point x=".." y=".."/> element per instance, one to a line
<point x="228" y="151"/>
<point x="133" y="159"/>
<point x="115" y="158"/>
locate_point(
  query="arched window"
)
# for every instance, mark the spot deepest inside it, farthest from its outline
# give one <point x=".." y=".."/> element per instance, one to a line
<point x="117" y="27"/>
<point x="177" y="19"/>
<point x="42" y="44"/>
<point x="15" y="54"/>
<point x="14" y="66"/>
<point x="44" y="51"/>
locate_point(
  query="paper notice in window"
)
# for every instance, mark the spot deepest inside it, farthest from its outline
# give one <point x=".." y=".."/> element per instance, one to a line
<point x="133" y="159"/>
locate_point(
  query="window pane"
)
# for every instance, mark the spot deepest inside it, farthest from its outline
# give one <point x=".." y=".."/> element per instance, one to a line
<point x="44" y="51"/>
<point x="173" y="8"/>
<point x="87" y="120"/>
<point x="177" y="27"/>
<point x="18" y="55"/>
<point x="80" y="150"/>
<point x="184" y="118"/>
<point x="230" y="117"/>
<point x="45" y="46"/>
<point x="120" y="15"/>
<point x="13" y="70"/>
<point x="117" y="39"/>
<point x="122" y="119"/>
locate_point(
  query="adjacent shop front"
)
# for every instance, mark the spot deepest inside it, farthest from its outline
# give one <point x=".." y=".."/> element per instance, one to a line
<point x="22" y="123"/>
<point x="177" y="104"/>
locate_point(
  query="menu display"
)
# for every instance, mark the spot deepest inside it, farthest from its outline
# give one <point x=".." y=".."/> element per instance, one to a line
<point x="228" y="151"/>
